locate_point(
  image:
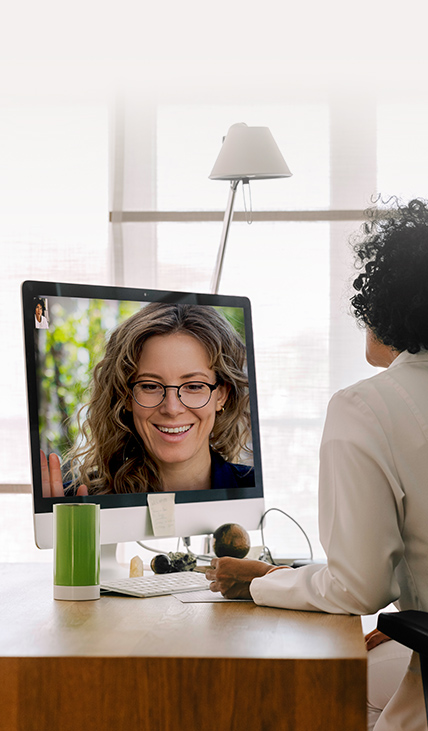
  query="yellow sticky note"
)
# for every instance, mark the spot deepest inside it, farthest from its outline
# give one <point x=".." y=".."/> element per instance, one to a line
<point x="162" y="513"/>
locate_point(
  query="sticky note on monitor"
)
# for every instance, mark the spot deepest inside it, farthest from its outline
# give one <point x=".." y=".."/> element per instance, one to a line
<point x="162" y="513"/>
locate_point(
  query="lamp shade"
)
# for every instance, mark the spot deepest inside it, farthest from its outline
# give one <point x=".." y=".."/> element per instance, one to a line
<point x="249" y="153"/>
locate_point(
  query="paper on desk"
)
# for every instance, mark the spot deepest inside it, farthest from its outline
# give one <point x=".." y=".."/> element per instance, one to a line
<point x="161" y="509"/>
<point x="205" y="595"/>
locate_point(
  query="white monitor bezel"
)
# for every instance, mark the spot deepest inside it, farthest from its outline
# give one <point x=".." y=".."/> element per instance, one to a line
<point x="126" y="517"/>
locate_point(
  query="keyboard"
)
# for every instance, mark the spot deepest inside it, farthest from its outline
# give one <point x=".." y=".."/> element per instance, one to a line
<point x="157" y="584"/>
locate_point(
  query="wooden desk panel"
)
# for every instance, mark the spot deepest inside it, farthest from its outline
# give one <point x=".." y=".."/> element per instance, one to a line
<point x="157" y="664"/>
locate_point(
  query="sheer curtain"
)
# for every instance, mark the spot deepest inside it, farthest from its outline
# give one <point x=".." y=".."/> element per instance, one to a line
<point x="53" y="226"/>
<point x="53" y="187"/>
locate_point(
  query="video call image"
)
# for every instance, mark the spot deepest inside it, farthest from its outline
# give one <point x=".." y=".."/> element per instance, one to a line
<point x="141" y="397"/>
<point x="41" y="317"/>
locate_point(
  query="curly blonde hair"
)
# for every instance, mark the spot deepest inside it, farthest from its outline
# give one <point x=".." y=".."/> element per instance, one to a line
<point x="111" y="457"/>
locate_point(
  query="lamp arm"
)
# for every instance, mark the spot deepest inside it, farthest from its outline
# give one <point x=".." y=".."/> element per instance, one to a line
<point x="222" y="248"/>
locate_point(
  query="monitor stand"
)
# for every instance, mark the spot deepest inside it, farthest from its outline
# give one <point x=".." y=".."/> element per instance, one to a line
<point x="109" y="566"/>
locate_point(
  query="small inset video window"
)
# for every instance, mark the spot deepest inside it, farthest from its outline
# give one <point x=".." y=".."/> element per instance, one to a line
<point x="41" y="314"/>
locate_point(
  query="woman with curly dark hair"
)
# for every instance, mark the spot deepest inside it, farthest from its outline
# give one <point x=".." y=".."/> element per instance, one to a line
<point x="392" y="299"/>
<point x="168" y="411"/>
<point x="373" y="491"/>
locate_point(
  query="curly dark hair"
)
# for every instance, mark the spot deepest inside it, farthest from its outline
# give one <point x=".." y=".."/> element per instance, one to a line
<point x="392" y="286"/>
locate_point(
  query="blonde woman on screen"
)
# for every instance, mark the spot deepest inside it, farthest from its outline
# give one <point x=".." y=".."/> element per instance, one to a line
<point x="169" y="408"/>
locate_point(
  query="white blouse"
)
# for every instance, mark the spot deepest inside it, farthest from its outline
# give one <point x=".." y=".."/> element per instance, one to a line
<point x="373" y="501"/>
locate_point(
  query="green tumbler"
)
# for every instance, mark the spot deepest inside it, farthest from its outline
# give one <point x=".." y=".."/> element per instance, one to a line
<point x="76" y="541"/>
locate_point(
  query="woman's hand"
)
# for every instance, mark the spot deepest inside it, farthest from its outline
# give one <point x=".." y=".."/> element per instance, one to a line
<point x="233" y="576"/>
<point x="375" y="638"/>
<point x="52" y="477"/>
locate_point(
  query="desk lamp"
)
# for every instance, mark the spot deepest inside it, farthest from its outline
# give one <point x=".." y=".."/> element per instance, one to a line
<point x="247" y="153"/>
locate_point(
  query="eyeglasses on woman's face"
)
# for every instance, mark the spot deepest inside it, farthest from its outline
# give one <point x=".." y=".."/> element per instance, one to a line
<point x="192" y="394"/>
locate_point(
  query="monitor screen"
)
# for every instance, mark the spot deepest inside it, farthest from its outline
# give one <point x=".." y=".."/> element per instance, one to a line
<point x="136" y="391"/>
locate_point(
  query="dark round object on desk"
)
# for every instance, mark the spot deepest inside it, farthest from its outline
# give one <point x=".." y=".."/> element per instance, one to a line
<point x="182" y="561"/>
<point x="231" y="539"/>
<point x="161" y="564"/>
<point x="173" y="563"/>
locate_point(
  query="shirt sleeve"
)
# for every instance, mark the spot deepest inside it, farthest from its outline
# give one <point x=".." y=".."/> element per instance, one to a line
<point x="360" y="515"/>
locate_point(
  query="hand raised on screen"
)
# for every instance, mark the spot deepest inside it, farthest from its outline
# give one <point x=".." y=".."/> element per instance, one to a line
<point x="52" y="477"/>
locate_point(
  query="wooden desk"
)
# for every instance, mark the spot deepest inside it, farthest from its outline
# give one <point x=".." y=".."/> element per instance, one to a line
<point x="161" y="665"/>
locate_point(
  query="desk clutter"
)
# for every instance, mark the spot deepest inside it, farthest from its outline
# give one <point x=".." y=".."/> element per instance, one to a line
<point x="170" y="563"/>
<point x="176" y="572"/>
<point x="229" y="539"/>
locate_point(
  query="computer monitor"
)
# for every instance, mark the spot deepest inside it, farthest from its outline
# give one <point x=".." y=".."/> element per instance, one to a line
<point x="67" y="327"/>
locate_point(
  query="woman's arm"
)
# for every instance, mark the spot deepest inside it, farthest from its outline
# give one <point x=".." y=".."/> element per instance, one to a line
<point x="360" y="506"/>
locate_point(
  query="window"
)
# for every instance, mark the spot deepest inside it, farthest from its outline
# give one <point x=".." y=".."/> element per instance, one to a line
<point x="295" y="264"/>
<point x="53" y="184"/>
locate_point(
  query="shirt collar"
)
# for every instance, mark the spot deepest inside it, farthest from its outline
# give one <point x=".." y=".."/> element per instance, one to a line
<point x="406" y="357"/>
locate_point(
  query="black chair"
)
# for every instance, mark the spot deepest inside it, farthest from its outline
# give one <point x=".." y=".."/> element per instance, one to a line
<point x="410" y="628"/>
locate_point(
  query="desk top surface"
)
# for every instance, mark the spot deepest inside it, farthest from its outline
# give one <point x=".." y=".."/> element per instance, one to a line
<point x="33" y="624"/>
